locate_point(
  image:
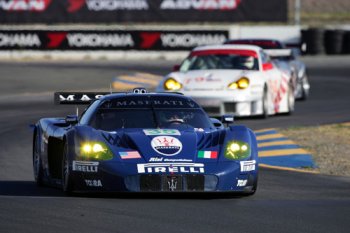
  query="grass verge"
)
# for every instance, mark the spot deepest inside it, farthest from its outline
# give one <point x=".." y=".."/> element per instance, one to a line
<point x="328" y="144"/>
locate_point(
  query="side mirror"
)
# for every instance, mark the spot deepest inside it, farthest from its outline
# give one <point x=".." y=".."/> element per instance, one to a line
<point x="227" y="119"/>
<point x="72" y="119"/>
<point x="176" y="68"/>
<point x="217" y="123"/>
<point x="267" y="66"/>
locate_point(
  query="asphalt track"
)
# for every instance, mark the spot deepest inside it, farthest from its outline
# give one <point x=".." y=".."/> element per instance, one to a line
<point x="285" y="201"/>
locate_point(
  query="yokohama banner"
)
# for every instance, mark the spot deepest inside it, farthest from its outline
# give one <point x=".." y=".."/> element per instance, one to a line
<point x="108" y="40"/>
<point x="119" y="11"/>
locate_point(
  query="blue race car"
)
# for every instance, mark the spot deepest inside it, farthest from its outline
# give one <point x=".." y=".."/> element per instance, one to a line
<point x="143" y="142"/>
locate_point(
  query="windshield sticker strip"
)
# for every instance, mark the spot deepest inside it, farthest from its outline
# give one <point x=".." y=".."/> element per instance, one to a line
<point x="154" y="132"/>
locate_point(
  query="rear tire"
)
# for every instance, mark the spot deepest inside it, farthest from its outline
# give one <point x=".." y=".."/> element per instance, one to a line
<point x="304" y="92"/>
<point x="37" y="162"/>
<point x="290" y="100"/>
<point x="67" y="184"/>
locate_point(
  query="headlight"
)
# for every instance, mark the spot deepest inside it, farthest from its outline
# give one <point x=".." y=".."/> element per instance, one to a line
<point x="237" y="150"/>
<point x="242" y="83"/>
<point x="172" y="85"/>
<point x="95" y="151"/>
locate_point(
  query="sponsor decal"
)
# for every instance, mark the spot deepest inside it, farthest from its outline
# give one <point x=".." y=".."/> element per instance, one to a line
<point x="170" y="168"/>
<point x="78" y="97"/>
<point x="198" y="129"/>
<point x="156" y="159"/>
<point x="93" y="183"/>
<point x="242" y="183"/>
<point x="129" y="155"/>
<point x="85" y="166"/>
<point x="165" y="145"/>
<point x="149" y="39"/>
<point x="172" y="182"/>
<point x="175" y="40"/>
<point x="207" y="78"/>
<point x="100" y="40"/>
<point x="207" y="154"/>
<point x="75" y="5"/>
<point x="191" y="104"/>
<point x="107" y="5"/>
<point x="112" y="5"/>
<point x="24" y="5"/>
<point x="19" y="40"/>
<point x="146" y="102"/>
<point x="199" y="4"/>
<point x="55" y="39"/>
<point x="247" y="166"/>
<point x="281" y="92"/>
<point x="154" y="132"/>
<point x="190" y="40"/>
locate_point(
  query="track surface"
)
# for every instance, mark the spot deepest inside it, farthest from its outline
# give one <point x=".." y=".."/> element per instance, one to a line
<point x="285" y="201"/>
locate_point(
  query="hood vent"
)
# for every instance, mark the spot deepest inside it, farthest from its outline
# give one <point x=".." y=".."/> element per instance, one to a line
<point x="120" y="141"/>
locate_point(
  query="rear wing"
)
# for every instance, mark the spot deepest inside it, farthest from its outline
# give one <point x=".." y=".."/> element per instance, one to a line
<point x="278" y="52"/>
<point x="78" y="98"/>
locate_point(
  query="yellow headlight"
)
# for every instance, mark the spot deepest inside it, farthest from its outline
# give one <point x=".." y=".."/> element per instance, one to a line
<point x="87" y="148"/>
<point x="242" y="83"/>
<point x="233" y="85"/>
<point x="244" y="148"/>
<point x="234" y="147"/>
<point x="236" y="150"/>
<point x="95" y="151"/>
<point x="97" y="148"/>
<point x="172" y="85"/>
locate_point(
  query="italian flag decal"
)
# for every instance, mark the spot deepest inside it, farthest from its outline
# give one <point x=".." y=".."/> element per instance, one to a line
<point x="208" y="154"/>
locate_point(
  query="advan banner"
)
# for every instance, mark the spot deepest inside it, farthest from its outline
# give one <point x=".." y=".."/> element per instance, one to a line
<point x="122" y="11"/>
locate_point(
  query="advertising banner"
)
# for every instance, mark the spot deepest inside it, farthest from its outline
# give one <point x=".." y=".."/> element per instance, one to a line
<point x="109" y="40"/>
<point x="126" y="11"/>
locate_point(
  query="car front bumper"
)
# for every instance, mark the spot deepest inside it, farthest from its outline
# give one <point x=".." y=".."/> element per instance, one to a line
<point x="227" y="177"/>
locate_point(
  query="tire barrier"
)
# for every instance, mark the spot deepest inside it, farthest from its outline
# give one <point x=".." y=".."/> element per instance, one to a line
<point x="346" y="42"/>
<point x="314" y="40"/>
<point x="331" y="42"/>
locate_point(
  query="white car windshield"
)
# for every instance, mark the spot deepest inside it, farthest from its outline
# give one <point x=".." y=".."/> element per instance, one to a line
<point x="220" y="61"/>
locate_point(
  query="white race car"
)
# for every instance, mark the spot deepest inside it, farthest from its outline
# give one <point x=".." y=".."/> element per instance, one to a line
<point x="283" y="57"/>
<point x="232" y="79"/>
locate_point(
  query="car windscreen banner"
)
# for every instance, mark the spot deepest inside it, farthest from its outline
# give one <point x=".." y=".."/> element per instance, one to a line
<point x="168" y="40"/>
<point x="121" y="11"/>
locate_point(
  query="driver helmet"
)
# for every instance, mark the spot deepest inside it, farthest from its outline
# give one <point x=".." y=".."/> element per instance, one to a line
<point x="247" y="61"/>
<point x="172" y="117"/>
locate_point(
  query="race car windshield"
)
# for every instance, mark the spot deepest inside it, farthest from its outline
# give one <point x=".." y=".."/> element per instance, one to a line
<point x="113" y="119"/>
<point x="220" y="61"/>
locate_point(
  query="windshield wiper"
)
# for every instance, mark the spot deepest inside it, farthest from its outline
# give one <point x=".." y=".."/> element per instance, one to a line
<point x="124" y="123"/>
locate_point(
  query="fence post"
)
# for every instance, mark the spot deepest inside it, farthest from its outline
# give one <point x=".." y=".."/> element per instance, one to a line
<point x="297" y="9"/>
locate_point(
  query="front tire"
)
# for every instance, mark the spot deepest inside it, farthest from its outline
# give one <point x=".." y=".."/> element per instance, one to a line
<point x="37" y="162"/>
<point x="254" y="188"/>
<point x="67" y="184"/>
